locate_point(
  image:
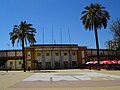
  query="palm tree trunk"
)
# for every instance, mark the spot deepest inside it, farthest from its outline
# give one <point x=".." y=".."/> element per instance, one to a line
<point x="23" y="52"/>
<point x="97" y="46"/>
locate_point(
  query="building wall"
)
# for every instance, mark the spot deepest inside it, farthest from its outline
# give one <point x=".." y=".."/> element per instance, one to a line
<point x="11" y="58"/>
<point x="103" y="53"/>
<point x="49" y="57"/>
<point x="53" y="56"/>
<point x="82" y="55"/>
<point x="14" y="64"/>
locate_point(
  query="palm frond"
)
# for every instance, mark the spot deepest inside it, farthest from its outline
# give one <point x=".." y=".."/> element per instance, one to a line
<point x="23" y="31"/>
<point x="95" y="15"/>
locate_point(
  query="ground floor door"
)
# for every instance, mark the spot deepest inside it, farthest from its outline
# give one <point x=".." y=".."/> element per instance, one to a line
<point x="2" y="64"/>
<point x="39" y="65"/>
<point x="57" y="65"/>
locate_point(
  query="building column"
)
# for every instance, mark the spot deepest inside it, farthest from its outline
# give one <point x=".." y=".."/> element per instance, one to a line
<point x="43" y="59"/>
<point x="15" y="65"/>
<point x="52" y="59"/>
<point x="70" y="59"/>
<point x="61" y="59"/>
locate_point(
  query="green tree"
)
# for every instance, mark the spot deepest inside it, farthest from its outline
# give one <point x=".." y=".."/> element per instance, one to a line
<point x="115" y="29"/>
<point x="23" y="33"/>
<point x="95" y="17"/>
<point x="113" y="44"/>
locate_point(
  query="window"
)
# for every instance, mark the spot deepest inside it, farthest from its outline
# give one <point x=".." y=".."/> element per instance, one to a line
<point x="73" y="54"/>
<point x="101" y="52"/>
<point x="47" y="54"/>
<point x="11" y="63"/>
<point x="19" y="53"/>
<point x="65" y="64"/>
<point x="48" y="65"/>
<point x="83" y="61"/>
<point x="19" y="62"/>
<point x="106" y="52"/>
<point x="29" y="55"/>
<point x="65" y="54"/>
<point x="94" y="52"/>
<point x="57" y="64"/>
<point x="74" y="63"/>
<point x="11" y="53"/>
<point x="56" y="54"/>
<point x="38" y="54"/>
<point x="83" y="54"/>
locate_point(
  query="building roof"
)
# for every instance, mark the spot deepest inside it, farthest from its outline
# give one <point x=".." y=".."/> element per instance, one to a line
<point x="54" y="45"/>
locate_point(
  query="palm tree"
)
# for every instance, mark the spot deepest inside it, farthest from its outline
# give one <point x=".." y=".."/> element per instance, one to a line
<point x="95" y="17"/>
<point x="23" y="33"/>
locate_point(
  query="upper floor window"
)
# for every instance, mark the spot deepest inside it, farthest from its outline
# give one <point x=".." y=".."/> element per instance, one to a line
<point x="11" y="53"/>
<point x="56" y="54"/>
<point x="29" y="55"/>
<point x="11" y="63"/>
<point x="38" y="54"/>
<point x="65" y="54"/>
<point x="19" y="62"/>
<point x="47" y="54"/>
<point x="73" y="54"/>
<point x="19" y="53"/>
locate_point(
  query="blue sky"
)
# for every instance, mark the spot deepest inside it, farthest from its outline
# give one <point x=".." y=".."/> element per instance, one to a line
<point x="56" y="14"/>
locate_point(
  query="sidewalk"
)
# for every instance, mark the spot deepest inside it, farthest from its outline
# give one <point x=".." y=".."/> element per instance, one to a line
<point x="60" y="80"/>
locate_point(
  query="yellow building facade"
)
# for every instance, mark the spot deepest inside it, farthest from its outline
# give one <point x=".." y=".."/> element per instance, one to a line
<point x="49" y="56"/>
<point x="11" y="59"/>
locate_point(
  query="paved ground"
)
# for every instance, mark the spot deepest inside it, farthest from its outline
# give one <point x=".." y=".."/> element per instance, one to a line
<point x="73" y="76"/>
<point x="60" y="80"/>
